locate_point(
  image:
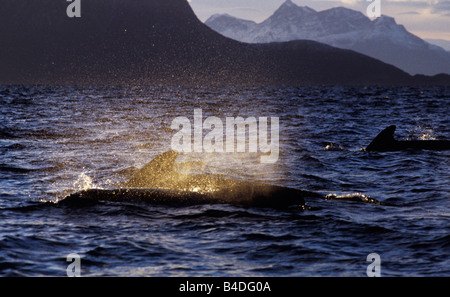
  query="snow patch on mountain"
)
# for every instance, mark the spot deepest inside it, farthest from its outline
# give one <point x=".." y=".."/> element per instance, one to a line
<point x="381" y="38"/>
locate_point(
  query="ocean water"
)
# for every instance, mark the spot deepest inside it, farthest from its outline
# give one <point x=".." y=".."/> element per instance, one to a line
<point x="59" y="140"/>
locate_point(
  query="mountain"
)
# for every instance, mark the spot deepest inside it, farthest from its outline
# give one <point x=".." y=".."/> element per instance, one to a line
<point x="382" y="38"/>
<point x="445" y="44"/>
<point x="230" y="26"/>
<point x="162" y="42"/>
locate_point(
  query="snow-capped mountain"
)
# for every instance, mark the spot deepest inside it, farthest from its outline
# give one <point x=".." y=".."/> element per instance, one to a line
<point x="381" y="38"/>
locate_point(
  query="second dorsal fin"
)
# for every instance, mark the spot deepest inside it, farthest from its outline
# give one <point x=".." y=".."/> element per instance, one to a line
<point x="159" y="168"/>
<point x="383" y="141"/>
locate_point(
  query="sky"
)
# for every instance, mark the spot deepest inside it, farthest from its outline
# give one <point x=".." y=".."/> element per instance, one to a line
<point x="428" y="19"/>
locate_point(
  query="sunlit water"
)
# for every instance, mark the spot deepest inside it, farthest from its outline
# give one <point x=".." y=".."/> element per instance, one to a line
<point x="58" y="140"/>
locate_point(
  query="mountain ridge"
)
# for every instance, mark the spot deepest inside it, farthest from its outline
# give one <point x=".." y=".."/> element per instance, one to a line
<point x="382" y="38"/>
<point x="162" y="42"/>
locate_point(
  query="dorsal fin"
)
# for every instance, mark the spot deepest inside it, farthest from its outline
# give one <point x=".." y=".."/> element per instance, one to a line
<point x="383" y="140"/>
<point x="158" y="168"/>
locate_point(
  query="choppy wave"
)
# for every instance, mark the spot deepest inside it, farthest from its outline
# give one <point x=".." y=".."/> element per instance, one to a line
<point x="58" y="140"/>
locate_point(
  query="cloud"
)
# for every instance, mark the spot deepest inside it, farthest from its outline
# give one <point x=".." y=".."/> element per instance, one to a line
<point x="410" y="13"/>
<point x="441" y="7"/>
<point x="351" y="2"/>
<point x="431" y="6"/>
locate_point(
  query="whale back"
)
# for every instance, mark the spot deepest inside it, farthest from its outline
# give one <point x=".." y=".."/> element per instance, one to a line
<point x="159" y="182"/>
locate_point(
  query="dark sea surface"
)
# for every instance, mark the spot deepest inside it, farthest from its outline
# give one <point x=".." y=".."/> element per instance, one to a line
<point x="59" y="140"/>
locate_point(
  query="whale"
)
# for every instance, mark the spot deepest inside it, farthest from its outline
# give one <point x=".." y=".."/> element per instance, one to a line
<point x="159" y="183"/>
<point x="257" y="196"/>
<point x="385" y="142"/>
